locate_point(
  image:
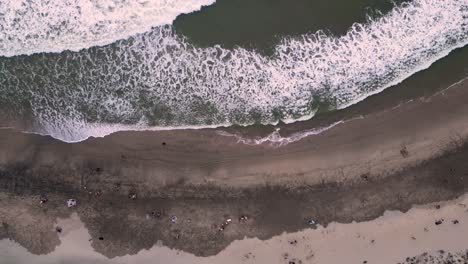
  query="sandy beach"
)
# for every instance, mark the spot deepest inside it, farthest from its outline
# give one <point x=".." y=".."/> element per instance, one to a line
<point x="233" y="131"/>
<point x="368" y="144"/>
<point x="392" y="238"/>
<point x="130" y="185"/>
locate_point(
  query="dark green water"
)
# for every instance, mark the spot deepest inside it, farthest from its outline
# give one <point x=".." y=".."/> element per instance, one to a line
<point x="439" y="76"/>
<point x="240" y="62"/>
<point x="261" y="24"/>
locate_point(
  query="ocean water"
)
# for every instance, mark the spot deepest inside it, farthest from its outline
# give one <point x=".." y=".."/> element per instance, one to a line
<point x="81" y="68"/>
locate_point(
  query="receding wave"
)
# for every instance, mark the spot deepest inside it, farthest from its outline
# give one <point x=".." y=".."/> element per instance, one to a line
<point x="276" y="140"/>
<point x="28" y="27"/>
<point x="158" y="79"/>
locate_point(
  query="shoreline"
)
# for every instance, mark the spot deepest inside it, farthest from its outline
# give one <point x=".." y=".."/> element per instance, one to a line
<point x="368" y="166"/>
<point x="370" y="145"/>
<point x="363" y="107"/>
<point x="389" y="160"/>
<point x="405" y="91"/>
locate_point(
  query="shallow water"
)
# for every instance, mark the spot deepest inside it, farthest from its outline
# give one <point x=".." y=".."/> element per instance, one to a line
<point x="161" y="79"/>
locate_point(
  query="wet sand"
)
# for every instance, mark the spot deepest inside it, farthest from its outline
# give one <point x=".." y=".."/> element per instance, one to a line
<point x="391" y="160"/>
<point x="368" y="145"/>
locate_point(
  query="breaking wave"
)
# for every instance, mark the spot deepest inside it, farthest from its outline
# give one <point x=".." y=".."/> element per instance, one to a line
<point x="28" y="27"/>
<point x="158" y="79"/>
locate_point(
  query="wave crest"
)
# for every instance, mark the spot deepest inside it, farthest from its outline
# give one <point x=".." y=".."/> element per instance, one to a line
<point x="28" y="27"/>
<point x="160" y="79"/>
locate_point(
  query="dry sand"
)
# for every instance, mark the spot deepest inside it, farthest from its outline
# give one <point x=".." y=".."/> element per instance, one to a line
<point x="354" y="171"/>
<point x="388" y="239"/>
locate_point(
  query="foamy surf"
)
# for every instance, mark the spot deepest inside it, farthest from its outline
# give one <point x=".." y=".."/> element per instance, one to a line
<point x="159" y="79"/>
<point x="28" y="27"/>
<point x="276" y="140"/>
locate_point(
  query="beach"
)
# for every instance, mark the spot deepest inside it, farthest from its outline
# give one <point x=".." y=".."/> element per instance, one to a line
<point x="368" y="144"/>
<point x="233" y="131"/>
<point x="392" y="238"/>
<point x="355" y="171"/>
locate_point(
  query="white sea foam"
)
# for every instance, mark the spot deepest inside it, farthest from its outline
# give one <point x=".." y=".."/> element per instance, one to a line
<point x="276" y="140"/>
<point x="74" y="134"/>
<point x="160" y="79"/>
<point x="31" y="26"/>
